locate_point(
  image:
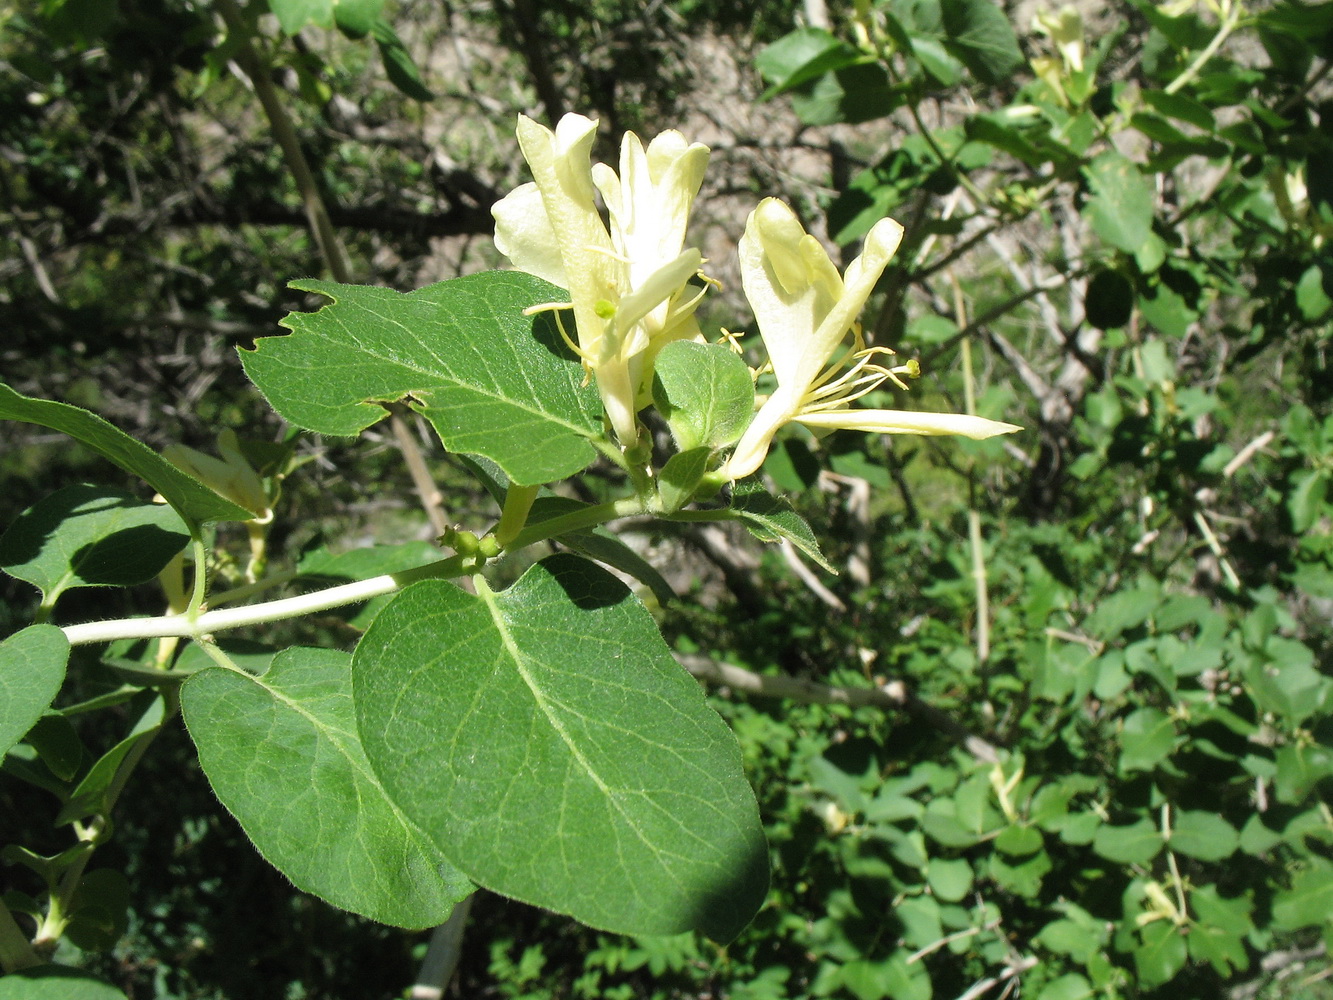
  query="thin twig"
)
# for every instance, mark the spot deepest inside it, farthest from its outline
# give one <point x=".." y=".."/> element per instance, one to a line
<point x="256" y="70"/>
<point x="1247" y="453"/>
<point x="432" y="500"/>
<point x="893" y="695"/>
<point x="973" y="515"/>
<point x="984" y="985"/>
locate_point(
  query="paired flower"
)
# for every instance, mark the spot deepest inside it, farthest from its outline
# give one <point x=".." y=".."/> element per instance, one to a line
<point x="630" y="294"/>
<point x="628" y="286"/>
<point x="805" y="311"/>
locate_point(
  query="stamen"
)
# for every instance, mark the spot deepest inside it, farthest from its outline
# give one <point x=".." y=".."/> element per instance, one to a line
<point x="732" y="340"/>
<point x="687" y="308"/>
<point x="547" y="307"/>
<point x="834" y="388"/>
<point x="583" y="355"/>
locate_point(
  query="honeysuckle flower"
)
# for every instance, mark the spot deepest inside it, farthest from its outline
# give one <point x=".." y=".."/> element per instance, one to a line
<point x="627" y="285"/>
<point x="232" y="475"/>
<point x="1065" y="29"/>
<point x="805" y="311"/>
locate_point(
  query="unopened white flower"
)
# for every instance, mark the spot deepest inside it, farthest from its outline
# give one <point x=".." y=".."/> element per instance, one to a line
<point x="627" y="285"/>
<point x="232" y="475"/>
<point x="805" y="311"/>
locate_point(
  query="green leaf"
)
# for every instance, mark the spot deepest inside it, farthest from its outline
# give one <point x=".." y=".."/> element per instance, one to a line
<point x="1305" y="502"/>
<point x="859" y="92"/>
<point x="367" y="562"/>
<point x="771" y="519"/>
<point x="549" y="744"/>
<point x="491" y="381"/>
<point x="1156" y="128"/>
<point x="801" y="56"/>
<point x="1070" y="986"/>
<point x="1161" y="955"/>
<point x="1284" y="679"/>
<point x="1125" y="609"/>
<point x="99" y="910"/>
<point x="1203" y="835"/>
<point x="57" y="744"/>
<point x="919" y="915"/>
<point x="942" y="825"/>
<point x="1299" y="768"/>
<point x="1256" y="838"/>
<point x="90" y="536"/>
<point x="293" y="15"/>
<point x="870" y="196"/>
<point x="1218" y="936"/>
<point x="1309" y="901"/>
<point x="1180" y="107"/>
<point x="680" y="477"/>
<point x="1078" y="934"/>
<point x="936" y="60"/>
<point x="1149" y="735"/>
<point x="282" y="754"/>
<point x="96" y="792"/>
<point x="32" y="668"/>
<point x="1023" y="878"/>
<point x="1311" y="295"/>
<point x="55" y="982"/>
<point x="79" y="23"/>
<point x="356" y="18"/>
<point x="399" y="65"/>
<point x="1136" y="844"/>
<point x="1019" y="841"/>
<point x="949" y="880"/>
<point x="1120" y="209"/>
<point x="981" y="36"/>
<point x="1165" y="309"/>
<point x="1109" y="301"/>
<point x="705" y="392"/>
<point x="192" y="499"/>
<point x="883" y="979"/>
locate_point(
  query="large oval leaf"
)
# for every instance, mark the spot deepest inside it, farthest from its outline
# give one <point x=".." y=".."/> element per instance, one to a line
<point x="91" y="536"/>
<point x="32" y="668"/>
<point x="282" y="754"/>
<point x="549" y="743"/>
<point x="492" y="381"/>
<point x="56" y="982"/>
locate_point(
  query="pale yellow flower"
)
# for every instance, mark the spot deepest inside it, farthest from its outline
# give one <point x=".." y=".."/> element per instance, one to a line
<point x="627" y="285"/>
<point x="805" y="311"/>
<point x="1065" y="29"/>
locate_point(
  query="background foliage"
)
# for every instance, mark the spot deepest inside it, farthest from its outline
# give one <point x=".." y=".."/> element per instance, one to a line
<point x="1101" y="764"/>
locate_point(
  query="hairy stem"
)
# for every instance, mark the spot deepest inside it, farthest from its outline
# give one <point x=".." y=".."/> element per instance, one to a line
<point x="256" y="614"/>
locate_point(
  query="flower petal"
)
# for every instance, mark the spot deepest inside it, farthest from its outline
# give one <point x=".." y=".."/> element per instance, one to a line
<point x="907" y="422"/>
<point x="658" y="289"/>
<point x="562" y="171"/>
<point x="880" y="245"/>
<point x="523" y="233"/>
<point x="779" y="284"/>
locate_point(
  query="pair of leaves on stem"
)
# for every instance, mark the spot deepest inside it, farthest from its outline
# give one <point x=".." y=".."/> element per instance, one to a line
<point x="605" y="787"/>
<point x="541" y="742"/>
